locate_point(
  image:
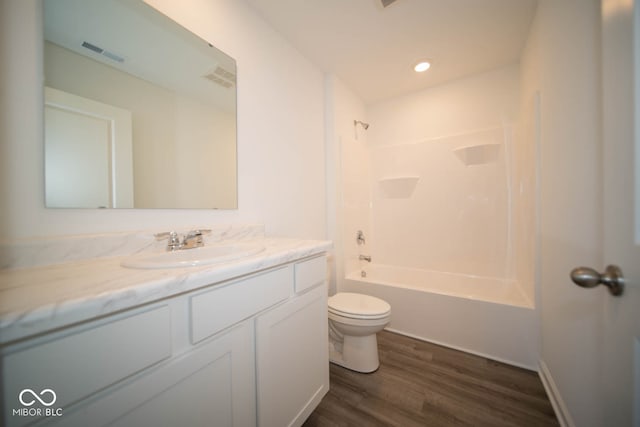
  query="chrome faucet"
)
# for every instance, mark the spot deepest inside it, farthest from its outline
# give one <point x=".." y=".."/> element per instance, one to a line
<point x="193" y="239"/>
<point x="173" y="241"/>
<point x="365" y="258"/>
<point x="360" y="237"/>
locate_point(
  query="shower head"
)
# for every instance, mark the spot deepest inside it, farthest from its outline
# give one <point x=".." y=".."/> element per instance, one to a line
<point x="363" y="124"/>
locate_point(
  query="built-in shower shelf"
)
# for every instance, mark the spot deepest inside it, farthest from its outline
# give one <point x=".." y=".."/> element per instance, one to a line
<point x="480" y="154"/>
<point x="398" y="187"/>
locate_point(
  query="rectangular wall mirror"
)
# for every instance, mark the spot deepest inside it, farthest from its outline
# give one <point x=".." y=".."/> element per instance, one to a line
<point x="139" y="112"/>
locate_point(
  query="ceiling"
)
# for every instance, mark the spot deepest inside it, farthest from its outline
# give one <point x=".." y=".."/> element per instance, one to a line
<point x="150" y="45"/>
<point x="373" y="49"/>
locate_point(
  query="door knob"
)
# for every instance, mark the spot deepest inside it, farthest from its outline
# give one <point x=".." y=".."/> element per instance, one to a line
<point x="588" y="278"/>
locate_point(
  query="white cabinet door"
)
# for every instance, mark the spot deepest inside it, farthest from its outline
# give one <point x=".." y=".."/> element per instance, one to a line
<point x="213" y="385"/>
<point x="292" y="362"/>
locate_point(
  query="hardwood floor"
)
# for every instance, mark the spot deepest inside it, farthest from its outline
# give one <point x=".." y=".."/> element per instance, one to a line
<point x="423" y="384"/>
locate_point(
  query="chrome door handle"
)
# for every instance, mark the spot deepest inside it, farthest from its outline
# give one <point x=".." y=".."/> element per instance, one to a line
<point x="612" y="278"/>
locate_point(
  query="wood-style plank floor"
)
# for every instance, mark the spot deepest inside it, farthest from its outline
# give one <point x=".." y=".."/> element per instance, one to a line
<point x="423" y="384"/>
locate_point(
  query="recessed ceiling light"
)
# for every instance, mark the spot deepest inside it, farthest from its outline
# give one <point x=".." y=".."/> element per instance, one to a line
<point x="422" y="66"/>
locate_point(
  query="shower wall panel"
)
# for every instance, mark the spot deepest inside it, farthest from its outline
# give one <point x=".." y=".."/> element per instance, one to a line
<point x="447" y="155"/>
<point x="457" y="218"/>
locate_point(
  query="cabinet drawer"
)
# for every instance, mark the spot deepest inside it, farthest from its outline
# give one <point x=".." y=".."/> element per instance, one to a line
<point x="224" y="305"/>
<point x="310" y="273"/>
<point x="211" y="385"/>
<point x="76" y="365"/>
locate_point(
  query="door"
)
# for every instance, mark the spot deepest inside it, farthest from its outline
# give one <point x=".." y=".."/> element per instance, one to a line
<point x="88" y="153"/>
<point x="621" y="158"/>
<point x="77" y="160"/>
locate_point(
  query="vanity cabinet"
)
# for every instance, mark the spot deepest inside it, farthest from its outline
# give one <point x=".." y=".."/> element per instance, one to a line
<point x="245" y="352"/>
<point x="292" y="351"/>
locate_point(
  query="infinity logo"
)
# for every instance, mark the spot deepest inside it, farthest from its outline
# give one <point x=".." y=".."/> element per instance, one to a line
<point x="36" y="397"/>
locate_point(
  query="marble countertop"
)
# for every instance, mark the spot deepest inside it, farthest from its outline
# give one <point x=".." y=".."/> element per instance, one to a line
<point x="38" y="299"/>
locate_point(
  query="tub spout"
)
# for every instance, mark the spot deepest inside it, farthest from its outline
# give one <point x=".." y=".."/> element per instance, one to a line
<point x="365" y="258"/>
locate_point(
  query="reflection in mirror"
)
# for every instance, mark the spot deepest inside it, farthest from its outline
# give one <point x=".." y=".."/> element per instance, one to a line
<point x="139" y="112"/>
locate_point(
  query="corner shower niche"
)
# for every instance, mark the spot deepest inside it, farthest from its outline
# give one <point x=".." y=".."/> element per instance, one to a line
<point x="398" y="187"/>
<point x="481" y="154"/>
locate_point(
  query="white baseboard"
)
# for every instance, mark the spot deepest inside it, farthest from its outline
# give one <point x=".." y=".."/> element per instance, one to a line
<point x="562" y="413"/>
<point x="466" y="350"/>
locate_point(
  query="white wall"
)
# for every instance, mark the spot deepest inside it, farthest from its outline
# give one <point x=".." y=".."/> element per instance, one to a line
<point x="562" y="61"/>
<point x="205" y="162"/>
<point x="280" y="129"/>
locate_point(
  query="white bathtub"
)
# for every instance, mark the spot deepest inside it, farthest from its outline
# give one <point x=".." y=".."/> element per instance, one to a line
<point x="480" y="315"/>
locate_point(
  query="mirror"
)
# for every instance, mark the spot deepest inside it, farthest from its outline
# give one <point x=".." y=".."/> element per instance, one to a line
<point x="139" y="112"/>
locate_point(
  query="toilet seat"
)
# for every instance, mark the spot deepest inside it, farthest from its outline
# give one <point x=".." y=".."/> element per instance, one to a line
<point x="358" y="306"/>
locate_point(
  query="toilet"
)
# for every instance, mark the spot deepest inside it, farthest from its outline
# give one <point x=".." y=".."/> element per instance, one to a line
<point x="354" y="320"/>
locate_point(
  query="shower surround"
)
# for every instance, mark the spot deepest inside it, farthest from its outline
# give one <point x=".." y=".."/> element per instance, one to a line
<point x="457" y="218"/>
<point x="441" y="241"/>
<point x="442" y="186"/>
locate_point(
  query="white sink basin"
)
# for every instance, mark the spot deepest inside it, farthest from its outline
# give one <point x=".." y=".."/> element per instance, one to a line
<point x="205" y="255"/>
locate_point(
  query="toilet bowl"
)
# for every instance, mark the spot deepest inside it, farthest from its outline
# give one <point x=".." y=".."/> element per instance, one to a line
<point x="354" y="320"/>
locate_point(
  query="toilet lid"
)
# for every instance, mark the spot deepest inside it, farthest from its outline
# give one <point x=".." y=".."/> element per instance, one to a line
<point x="358" y="305"/>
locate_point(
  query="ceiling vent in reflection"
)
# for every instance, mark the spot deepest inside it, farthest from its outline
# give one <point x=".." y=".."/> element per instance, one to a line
<point x="222" y="77"/>
<point x="112" y="56"/>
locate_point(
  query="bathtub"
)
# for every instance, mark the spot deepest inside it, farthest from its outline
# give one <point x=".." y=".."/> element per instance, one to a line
<point x="484" y="316"/>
